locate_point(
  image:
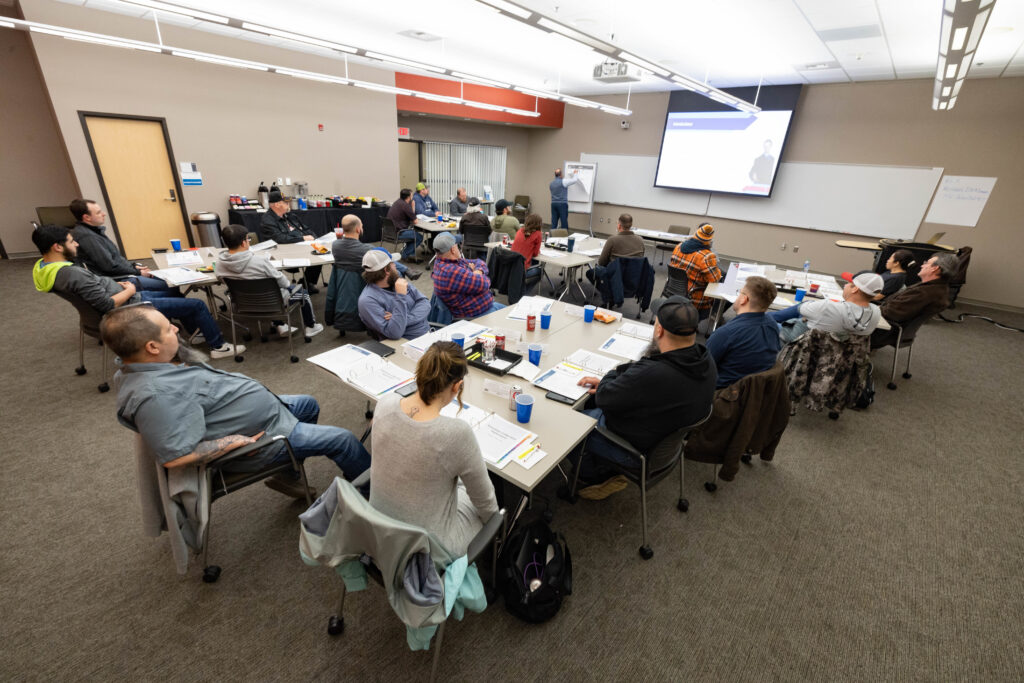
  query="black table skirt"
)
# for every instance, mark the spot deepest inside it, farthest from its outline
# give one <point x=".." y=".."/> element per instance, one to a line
<point x="321" y="221"/>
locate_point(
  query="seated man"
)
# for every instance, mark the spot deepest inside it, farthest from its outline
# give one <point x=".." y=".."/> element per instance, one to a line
<point x="929" y="296"/>
<point x="504" y="222"/>
<point x="749" y="343"/>
<point x="55" y="272"/>
<point x="388" y="304"/>
<point x="285" y="227"/>
<point x="241" y="262"/>
<point x="694" y="255"/>
<point x="349" y="250"/>
<point x="463" y="285"/>
<point x="403" y="216"/>
<point x="100" y="255"/>
<point x="623" y="244"/>
<point x="459" y="204"/>
<point x="645" y="401"/>
<point x="178" y="407"/>
<point x="474" y="216"/>
<point x="854" y="315"/>
<point x="424" y="203"/>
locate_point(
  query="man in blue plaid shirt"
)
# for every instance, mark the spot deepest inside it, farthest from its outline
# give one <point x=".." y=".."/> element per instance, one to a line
<point x="464" y="285"/>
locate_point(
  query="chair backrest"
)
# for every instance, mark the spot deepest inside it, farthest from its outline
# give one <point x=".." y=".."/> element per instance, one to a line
<point x="439" y="312"/>
<point x="56" y="215"/>
<point x="964" y="256"/>
<point x="476" y="235"/>
<point x="667" y="451"/>
<point x="560" y="232"/>
<point x="677" y="282"/>
<point x="253" y="238"/>
<point x="387" y="230"/>
<point x="679" y="229"/>
<point x="522" y="200"/>
<point x="912" y="326"/>
<point x="260" y="297"/>
<point x="89" y="317"/>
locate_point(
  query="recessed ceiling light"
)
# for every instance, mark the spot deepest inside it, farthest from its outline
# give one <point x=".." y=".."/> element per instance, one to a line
<point x="419" y="35"/>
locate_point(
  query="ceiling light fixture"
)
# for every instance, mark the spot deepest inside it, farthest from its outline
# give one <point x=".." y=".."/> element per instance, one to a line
<point x="85" y="37"/>
<point x="404" y="62"/>
<point x="298" y="37"/>
<point x="217" y="59"/>
<point x="963" y="22"/>
<point x="175" y="9"/>
<point x="478" y="79"/>
<point x="508" y="8"/>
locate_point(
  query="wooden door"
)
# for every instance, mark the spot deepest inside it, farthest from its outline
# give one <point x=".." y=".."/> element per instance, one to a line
<point x="408" y="164"/>
<point x="136" y="172"/>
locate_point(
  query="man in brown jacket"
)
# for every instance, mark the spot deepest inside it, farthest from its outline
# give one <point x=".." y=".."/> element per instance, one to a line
<point x="929" y="296"/>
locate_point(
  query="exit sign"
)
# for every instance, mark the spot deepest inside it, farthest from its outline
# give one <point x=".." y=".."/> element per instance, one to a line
<point x="403" y="132"/>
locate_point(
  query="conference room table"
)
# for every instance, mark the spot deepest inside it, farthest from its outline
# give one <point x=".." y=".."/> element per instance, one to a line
<point x="320" y="220"/>
<point x="572" y="261"/>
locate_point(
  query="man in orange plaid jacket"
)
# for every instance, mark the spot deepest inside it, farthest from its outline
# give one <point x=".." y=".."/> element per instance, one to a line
<point x="694" y="255"/>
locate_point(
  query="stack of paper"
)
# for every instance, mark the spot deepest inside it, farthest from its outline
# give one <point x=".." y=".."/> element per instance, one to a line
<point x="326" y="240"/>
<point x="564" y="377"/>
<point x="552" y="253"/>
<point x="179" y="276"/>
<point x="363" y="369"/>
<point x="500" y="441"/>
<point x="268" y="244"/>
<point x="625" y="346"/>
<point x="530" y="305"/>
<point x="414" y="348"/>
<point x="184" y="258"/>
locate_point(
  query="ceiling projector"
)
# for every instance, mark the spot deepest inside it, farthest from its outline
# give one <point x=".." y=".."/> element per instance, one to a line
<point x="611" y="71"/>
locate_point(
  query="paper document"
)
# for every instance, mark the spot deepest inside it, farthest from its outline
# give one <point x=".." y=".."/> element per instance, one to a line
<point x="498" y="438"/>
<point x="326" y="240"/>
<point x="469" y="328"/>
<point x="593" y="363"/>
<point x="296" y="262"/>
<point x="342" y="359"/>
<point x="591" y="251"/>
<point x="268" y="244"/>
<point x="180" y="276"/>
<point x="184" y="258"/>
<point x="528" y="455"/>
<point x="638" y="330"/>
<point x="496" y="388"/>
<point x="378" y="376"/>
<point x="573" y="310"/>
<point x="329" y="258"/>
<point x="624" y="346"/>
<point x="552" y="253"/>
<point x="525" y="369"/>
<point x="530" y="305"/>
<point x="563" y="379"/>
<point x="471" y="415"/>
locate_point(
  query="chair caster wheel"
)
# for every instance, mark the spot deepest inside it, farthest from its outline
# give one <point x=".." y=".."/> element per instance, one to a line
<point x="646" y="552"/>
<point x="745" y="458"/>
<point x="548" y="515"/>
<point x="891" y="386"/>
<point x="907" y="375"/>
<point x="833" y="415"/>
<point x="683" y="505"/>
<point x="223" y="308"/>
<point x="341" y="333"/>
<point x="710" y="486"/>
<point x="80" y="370"/>
<point x="368" y="414"/>
<point x="263" y="339"/>
<point x="563" y="493"/>
<point x="211" y="574"/>
<point x="239" y="359"/>
<point x="104" y="388"/>
<point x="247" y="337"/>
<point x="307" y="339"/>
<point x="295" y="359"/>
<point x="335" y="626"/>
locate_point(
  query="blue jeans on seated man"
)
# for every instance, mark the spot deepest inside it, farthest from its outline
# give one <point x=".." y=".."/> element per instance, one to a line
<point x="309" y="439"/>
<point x="791" y="326"/>
<point x="416" y="239"/>
<point x="152" y="284"/>
<point x="192" y="313"/>
<point x="598" y="451"/>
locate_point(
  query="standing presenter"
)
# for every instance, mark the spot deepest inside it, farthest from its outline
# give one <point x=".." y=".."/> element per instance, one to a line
<point x="560" y="198"/>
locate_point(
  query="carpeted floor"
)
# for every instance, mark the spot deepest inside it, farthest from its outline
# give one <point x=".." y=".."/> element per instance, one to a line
<point x="886" y="546"/>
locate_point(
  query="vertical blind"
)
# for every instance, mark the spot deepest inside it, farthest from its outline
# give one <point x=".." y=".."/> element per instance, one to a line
<point x="449" y="166"/>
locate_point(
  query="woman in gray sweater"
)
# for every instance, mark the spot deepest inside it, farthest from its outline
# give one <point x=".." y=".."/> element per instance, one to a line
<point x="427" y="469"/>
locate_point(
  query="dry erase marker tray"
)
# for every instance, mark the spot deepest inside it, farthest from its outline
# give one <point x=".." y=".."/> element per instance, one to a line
<point x="502" y="363"/>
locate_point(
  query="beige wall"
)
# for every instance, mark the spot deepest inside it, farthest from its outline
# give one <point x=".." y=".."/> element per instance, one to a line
<point x="34" y="169"/>
<point x="889" y="123"/>
<point x="239" y="126"/>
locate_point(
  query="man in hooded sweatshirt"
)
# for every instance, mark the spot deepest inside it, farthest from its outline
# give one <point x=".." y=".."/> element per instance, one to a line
<point x="241" y="262"/>
<point x="694" y="255"/>
<point x="854" y="315"/>
<point x="646" y="401"/>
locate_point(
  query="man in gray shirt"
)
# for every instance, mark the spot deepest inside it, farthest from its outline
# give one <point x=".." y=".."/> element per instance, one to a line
<point x="189" y="414"/>
<point x="460" y="204"/>
<point x="348" y="251"/>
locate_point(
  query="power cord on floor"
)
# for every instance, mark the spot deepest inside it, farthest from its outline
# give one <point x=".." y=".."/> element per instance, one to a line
<point x="960" y="319"/>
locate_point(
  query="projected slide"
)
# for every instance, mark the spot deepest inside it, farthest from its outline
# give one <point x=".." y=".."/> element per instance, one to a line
<point x="722" y="151"/>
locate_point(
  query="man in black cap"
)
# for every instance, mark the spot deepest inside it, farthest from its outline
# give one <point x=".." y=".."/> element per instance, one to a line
<point x="504" y="221"/>
<point x="284" y="227"/>
<point x="643" y="402"/>
<point x="474" y="216"/>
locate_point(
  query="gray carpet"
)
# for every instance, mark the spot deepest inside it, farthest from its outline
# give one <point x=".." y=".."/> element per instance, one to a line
<point x="887" y="545"/>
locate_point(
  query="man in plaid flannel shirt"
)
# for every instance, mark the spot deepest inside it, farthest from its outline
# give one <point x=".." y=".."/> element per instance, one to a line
<point x="464" y="285"/>
<point x="701" y="265"/>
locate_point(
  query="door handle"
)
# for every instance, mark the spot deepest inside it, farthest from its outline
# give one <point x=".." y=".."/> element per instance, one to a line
<point x="172" y="198"/>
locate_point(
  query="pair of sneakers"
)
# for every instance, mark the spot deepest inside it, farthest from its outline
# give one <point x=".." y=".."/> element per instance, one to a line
<point x="227" y="350"/>
<point x="286" y="330"/>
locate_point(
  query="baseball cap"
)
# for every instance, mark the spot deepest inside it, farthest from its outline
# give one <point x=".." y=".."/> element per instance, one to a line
<point x="866" y="281"/>
<point x="474" y="201"/>
<point x="444" y="242"/>
<point x="376" y="259"/>
<point x="677" y="315"/>
<point x="421" y="186"/>
<point x="275" y="196"/>
<point x="501" y="205"/>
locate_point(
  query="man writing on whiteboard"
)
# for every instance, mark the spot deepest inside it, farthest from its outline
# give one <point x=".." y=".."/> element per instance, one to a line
<point x="560" y="198"/>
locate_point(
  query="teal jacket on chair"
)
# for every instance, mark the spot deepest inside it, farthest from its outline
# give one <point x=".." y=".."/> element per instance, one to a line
<point x="341" y="310"/>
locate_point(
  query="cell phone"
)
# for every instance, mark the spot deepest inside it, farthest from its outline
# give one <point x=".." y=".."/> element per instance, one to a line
<point x="406" y="389"/>
<point x="558" y="397"/>
<point x="160" y="251"/>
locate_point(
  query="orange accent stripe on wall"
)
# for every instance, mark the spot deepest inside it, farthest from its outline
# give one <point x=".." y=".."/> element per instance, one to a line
<point x="551" y="111"/>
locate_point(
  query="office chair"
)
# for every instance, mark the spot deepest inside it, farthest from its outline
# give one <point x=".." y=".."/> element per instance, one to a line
<point x="88" y="325"/>
<point x="669" y="248"/>
<point x="905" y="335"/>
<point x="260" y="299"/>
<point x="826" y="371"/>
<point x="652" y="467"/>
<point x="474" y="241"/>
<point x="389" y="233"/>
<point x="521" y="206"/>
<point x="677" y="283"/>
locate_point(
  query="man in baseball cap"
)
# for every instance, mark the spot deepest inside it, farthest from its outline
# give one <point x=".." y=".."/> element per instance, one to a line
<point x="854" y="315"/>
<point x="389" y="305"/>
<point x="424" y="203"/>
<point x="463" y="285"/>
<point x="671" y="387"/>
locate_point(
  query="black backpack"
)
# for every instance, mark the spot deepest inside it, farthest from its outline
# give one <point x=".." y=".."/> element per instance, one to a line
<point x="536" y="572"/>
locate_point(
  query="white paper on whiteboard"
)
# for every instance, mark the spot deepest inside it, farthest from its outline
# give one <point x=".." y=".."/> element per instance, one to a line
<point x="960" y="200"/>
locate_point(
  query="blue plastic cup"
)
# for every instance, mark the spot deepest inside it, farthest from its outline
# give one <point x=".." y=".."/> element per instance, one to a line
<point x="176" y="245"/>
<point x="459" y="338"/>
<point x="524" y="408"/>
<point x="535" y="351"/>
<point x="545" y="321"/>
<point x="799" y="295"/>
<point x="588" y="313"/>
<point x="572" y="243"/>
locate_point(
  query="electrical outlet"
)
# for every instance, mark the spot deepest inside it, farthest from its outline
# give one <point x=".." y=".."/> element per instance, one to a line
<point x="796" y="248"/>
<point x="783" y="247"/>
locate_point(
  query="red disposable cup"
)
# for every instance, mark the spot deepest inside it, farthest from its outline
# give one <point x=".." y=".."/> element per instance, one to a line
<point x="814" y="288"/>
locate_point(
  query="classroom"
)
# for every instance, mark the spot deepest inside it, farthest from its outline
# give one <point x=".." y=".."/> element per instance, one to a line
<point x="887" y="543"/>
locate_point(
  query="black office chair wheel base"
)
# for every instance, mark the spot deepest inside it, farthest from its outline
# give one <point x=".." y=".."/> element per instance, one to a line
<point x="104" y="388"/>
<point x="336" y="625"/>
<point x="295" y="359"/>
<point x="211" y="574"/>
<point x="891" y="386"/>
<point x="247" y="336"/>
<point x="368" y="414"/>
<point x="833" y="415"/>
<point x="683" y="505"/>
<point x="239" y="359"/>
<point x="80" y="370"/>
<point x="308" y="340"/>
<point x="710" y="486"/>
<point x="907" y="375"/>
<point x="563" y="493"/>
<point x="745" y="458"/>
<point x="646" y="552"/>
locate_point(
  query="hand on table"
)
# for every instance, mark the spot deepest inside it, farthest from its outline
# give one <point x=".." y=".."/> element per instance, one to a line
<point x="589" y="382"/>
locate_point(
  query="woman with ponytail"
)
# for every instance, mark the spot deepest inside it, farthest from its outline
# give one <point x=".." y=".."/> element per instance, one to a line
<point x="427" y="469"/>
<point x="527" y="243"/>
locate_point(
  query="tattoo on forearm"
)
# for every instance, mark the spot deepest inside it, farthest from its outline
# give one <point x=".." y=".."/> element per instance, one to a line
<point x="208" y="450"/>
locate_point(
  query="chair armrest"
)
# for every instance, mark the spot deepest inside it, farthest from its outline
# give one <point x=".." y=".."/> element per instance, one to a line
<point x="263" y="442"/>
<point x="363" y="479"/>
<point x="485" y="535"/>
<point x="618" y="441"/>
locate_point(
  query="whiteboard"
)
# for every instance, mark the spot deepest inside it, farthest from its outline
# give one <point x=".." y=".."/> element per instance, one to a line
<point x="960" y="200"/>
<point x="629" y="181"/>
<point x="581" y="194"/>
<point x="870" y="200"/>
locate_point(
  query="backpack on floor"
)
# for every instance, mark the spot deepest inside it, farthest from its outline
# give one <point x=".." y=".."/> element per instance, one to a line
<point x="536" y="572"/>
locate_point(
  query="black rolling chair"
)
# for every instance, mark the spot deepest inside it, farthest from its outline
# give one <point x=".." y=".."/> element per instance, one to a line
<point x="474" y="241"/>
<point x="521" y="206"/>
<point x="389" y="233"/>
<point x="669" y="248"/>
<point x="905" y="335"/>
<point x="651" y="467"/>
<point x="88" y="325"/>
<point x="677" y="283"/>
<point x="260" y="299"/>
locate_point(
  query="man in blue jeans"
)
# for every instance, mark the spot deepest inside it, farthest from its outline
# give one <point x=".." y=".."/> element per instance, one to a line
<point x="193" y="413"/>
<point x="560" y="198"/>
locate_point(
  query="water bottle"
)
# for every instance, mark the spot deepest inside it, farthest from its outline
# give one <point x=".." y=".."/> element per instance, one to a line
<point x="807" y="266"/>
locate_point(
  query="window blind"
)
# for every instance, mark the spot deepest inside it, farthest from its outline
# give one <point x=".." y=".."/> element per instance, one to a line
<point x="450" y="165"/>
